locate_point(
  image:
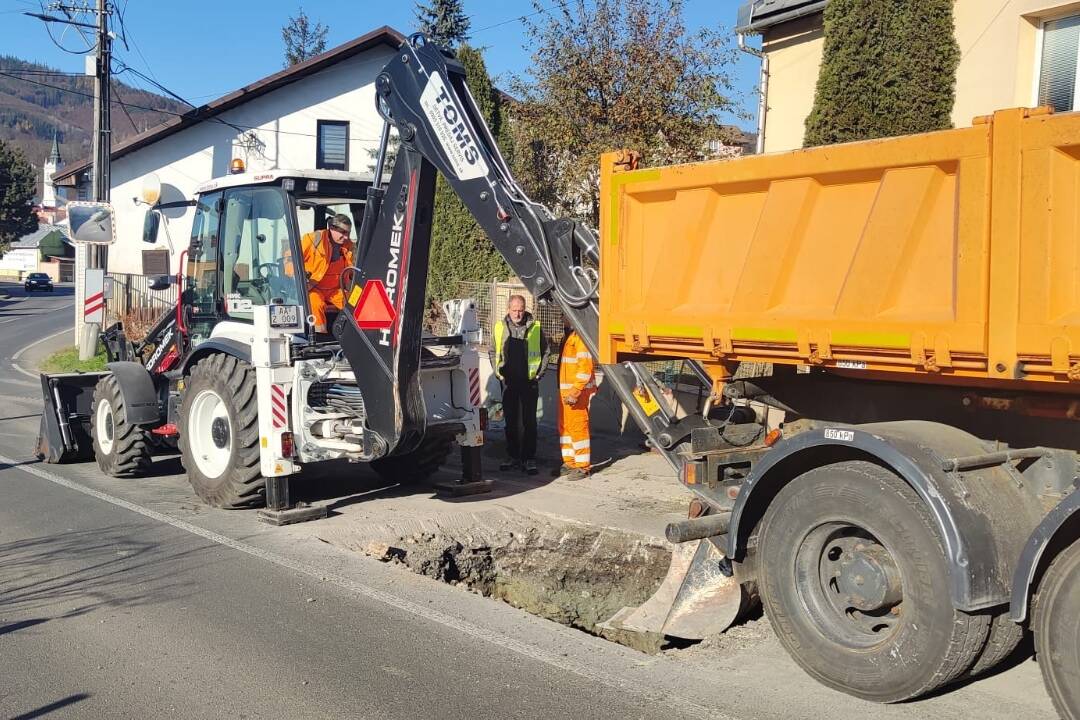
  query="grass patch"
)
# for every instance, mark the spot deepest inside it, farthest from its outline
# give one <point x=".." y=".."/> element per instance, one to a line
<point x="67" y="360"/>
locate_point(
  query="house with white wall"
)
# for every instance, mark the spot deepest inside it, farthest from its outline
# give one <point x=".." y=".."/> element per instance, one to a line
<point x="317" y="114"/>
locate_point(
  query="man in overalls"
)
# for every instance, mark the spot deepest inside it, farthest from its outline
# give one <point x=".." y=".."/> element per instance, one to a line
<point x="326" y="255"/>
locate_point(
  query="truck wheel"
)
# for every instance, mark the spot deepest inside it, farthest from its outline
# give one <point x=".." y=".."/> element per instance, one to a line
<point x="219" y="433"/>
<point x="122" y="450"/>
<point x="1056" y="622"/>
<point x="417" y="466"/>
<point x="855" y="583"/>
<point x="1005" y="637"/>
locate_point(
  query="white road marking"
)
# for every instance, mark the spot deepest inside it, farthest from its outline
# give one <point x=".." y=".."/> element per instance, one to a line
<point x="495" y="638"/>
<point x="15" y="357"/>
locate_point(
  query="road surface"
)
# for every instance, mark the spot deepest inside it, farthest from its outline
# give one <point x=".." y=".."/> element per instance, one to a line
<point x="129" y="599"/>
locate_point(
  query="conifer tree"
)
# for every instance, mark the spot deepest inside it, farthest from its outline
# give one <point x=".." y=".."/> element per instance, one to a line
<point x="460" y="250"/>
<point x="444" y="22"/>
<point x="889" y="68"/>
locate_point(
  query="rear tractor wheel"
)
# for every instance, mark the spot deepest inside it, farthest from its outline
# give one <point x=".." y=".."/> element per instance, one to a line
<point x="219" y="433"/>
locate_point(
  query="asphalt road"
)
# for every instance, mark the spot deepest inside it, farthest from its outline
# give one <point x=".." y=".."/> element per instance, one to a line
<point x="129" y="599"/>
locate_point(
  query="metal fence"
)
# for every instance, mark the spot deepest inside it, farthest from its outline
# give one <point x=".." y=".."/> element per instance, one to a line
<point x="134" y="302"/>
<point x="491" y="301"/>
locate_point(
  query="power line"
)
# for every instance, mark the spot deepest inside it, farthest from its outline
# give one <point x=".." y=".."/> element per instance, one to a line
<point x="176" y="114"/>
<point x="560" y="5"/>
<point x="123" y="107"/>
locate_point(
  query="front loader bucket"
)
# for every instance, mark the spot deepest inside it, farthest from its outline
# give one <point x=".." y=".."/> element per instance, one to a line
<point x="64" y="434"/>
<point x="699" y="597"/>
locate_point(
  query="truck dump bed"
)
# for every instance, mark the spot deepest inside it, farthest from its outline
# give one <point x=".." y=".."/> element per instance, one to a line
<point x="951" y="256"/>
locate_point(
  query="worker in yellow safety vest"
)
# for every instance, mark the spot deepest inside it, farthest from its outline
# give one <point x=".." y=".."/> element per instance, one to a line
<point x="577" y="384"/>
<point x="327" y="253"/>
<point x="521" y="354"/>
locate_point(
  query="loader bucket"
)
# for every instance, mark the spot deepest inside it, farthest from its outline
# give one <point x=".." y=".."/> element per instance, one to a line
<point x="64" y="434"/>
<point x="698" y="597"/>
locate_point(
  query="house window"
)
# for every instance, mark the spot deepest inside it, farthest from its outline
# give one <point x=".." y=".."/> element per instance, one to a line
<point x="332" y="145"/>
<point x="1058" y="65"/>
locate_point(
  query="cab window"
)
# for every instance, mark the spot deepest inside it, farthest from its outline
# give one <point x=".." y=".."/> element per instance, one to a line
<point x="256" y="262"/>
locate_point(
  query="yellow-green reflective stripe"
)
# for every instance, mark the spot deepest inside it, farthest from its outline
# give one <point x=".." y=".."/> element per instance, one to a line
<point x="764" y="335"/>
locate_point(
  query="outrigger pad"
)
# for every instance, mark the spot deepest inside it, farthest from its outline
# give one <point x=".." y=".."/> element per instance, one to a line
<point x="64" y="433"/>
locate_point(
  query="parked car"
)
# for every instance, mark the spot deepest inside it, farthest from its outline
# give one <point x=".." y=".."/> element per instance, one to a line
<point x="38" y="281"/>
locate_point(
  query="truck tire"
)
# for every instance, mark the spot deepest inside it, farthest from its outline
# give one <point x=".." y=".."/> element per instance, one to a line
<point x="121" y="449"/>
<point x="1005" y="637"/>
<point x="1056" y="623"/>
<point x="855" y="583"/>
<point x="419" y="465"/>
<point x="219" y="433"/>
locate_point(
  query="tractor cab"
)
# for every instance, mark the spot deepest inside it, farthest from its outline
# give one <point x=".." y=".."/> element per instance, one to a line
<point x="245" y="247"/>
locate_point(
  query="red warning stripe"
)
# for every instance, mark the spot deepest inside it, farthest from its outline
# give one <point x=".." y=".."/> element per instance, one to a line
<point x="277" y="405"/>
<point x="474" y="386"/>
<point x="93" y="303"/>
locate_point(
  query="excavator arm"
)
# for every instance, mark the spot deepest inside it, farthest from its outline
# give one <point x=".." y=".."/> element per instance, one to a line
<point x="422" y="93"/>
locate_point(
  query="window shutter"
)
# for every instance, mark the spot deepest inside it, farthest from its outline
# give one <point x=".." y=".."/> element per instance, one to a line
<point x="1057" y="75"/>
<point x="332" y="152"/>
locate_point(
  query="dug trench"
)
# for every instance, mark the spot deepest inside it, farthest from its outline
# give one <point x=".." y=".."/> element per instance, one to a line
<point x="574" y="574"/>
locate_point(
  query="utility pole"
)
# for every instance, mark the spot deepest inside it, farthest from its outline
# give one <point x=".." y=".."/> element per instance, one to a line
<point x="98" y="255"/>
<point x="93" y="257"/>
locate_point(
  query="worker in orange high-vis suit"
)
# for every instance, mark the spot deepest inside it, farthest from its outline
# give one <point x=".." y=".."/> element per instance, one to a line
<point x="326" y="255"/>
<point x="576" y="387"/>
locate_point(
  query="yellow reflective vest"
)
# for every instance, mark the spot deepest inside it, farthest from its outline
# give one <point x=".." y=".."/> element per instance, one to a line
<point x="533" y="342"/>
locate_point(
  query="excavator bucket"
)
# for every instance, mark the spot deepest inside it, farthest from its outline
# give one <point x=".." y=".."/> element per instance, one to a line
<point x="698" y="597"/>
<point x="64" y="434"/>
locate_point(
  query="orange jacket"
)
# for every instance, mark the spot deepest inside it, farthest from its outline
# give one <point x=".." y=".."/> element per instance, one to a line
<point x="316" y="247"/>
<point x="575" y="367"/>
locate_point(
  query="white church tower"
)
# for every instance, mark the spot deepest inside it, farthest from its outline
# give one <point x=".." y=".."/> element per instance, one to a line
<point x="49" y="197"/>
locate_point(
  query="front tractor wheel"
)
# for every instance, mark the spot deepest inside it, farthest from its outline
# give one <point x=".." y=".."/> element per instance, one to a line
<point x="219" y="433"/>
<point x="121" y="449"/>
<point x="1056" y="623"/>
<point x="855" y="582"/>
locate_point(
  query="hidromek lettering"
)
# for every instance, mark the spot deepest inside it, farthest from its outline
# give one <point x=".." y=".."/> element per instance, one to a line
<point x="393" y="268"/>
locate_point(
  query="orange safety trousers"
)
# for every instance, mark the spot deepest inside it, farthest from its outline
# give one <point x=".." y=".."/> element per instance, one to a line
<point x="574" y="432"/>
<point x="327" y="292"/>
<point x="575" y="375"/>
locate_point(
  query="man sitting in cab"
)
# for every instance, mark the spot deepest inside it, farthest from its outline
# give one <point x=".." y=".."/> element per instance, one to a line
<point x="326" y="255"/>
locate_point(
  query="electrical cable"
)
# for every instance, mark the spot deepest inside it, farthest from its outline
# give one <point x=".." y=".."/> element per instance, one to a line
<point x="168" y="112"/>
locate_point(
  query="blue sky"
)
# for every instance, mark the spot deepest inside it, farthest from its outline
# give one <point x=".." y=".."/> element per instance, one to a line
<point x="202" y="50"/>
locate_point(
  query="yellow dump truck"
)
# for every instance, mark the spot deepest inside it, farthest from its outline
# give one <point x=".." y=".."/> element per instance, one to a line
<point x="898" y="481"/>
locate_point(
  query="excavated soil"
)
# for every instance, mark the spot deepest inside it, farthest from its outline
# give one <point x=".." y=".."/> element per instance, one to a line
<point x="573" y="574"/>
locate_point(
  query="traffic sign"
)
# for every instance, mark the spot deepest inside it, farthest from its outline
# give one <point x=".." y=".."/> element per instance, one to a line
<point x="373" y="310"/>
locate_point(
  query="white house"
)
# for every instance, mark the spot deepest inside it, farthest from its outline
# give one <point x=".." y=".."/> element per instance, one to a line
<point x="317" y="114"/>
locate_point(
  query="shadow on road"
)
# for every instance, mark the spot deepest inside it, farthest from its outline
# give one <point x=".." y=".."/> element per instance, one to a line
<point x="70" y="574"/>
<point x="53" y="706"/>
<point x="12" y="627"/>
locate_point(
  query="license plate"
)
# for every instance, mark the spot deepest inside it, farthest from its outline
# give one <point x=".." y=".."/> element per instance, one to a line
<point x="284" y="316"/>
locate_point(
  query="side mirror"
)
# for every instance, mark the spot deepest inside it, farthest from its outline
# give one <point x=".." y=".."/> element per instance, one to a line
<point x="93" y="223"/>
<point x="161" y="282"/>
<point x="150" y="226"/>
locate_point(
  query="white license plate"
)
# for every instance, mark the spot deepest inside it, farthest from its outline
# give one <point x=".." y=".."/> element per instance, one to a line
<point x="284" y="316"/>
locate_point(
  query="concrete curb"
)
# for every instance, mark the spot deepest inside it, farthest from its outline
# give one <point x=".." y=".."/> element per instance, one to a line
<point x="27" y="359"/>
